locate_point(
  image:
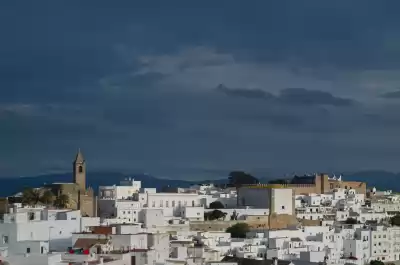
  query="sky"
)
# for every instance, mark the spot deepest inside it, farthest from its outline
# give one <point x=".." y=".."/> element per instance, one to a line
<point x="195" y="89"/>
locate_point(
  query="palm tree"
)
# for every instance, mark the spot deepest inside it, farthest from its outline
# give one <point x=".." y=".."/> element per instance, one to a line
<point x="31" y="196"/>
<point x="62" y="201"/>
<point x="47" y="197"/>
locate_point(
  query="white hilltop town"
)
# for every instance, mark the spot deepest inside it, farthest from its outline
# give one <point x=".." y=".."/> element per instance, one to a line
<point x="305" y="220"/>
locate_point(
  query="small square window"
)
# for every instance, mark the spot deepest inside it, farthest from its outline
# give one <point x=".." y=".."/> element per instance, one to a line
<point x="283" y="207"/>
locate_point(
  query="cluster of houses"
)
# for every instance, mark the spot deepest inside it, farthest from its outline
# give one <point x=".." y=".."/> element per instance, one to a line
<point x="307" y="220"/>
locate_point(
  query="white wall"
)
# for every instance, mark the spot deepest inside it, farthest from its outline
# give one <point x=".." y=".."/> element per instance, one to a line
<point x="282" y="201"/>
<point x="127" y="189"/>
<point x="279" y="201"/>
<point x="152" y="217"/>
<point x="193" y="213"/>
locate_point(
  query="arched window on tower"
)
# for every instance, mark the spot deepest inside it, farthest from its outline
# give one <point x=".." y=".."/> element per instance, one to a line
<point x="80" y="169"/>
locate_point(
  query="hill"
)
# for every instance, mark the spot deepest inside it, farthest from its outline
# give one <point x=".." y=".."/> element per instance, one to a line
<point x="382" y="180"/>
<point x="379" y="179"/>
<point x="10" y="186"/>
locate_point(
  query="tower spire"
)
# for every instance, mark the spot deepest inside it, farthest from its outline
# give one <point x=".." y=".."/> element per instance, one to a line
<point x="79" y="157"/>
<point x="79" y="170"/>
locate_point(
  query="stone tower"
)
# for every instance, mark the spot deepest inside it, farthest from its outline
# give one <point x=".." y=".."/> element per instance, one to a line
<point x="79" y="171"/>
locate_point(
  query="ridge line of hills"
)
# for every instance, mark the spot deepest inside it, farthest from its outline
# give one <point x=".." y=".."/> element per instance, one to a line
<point x="375" y="178"/>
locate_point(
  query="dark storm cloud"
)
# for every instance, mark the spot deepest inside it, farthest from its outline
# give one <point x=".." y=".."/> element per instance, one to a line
<point x="391" y="95"/>
<point x="78" y="74"/>
<point x="245" y="93"/>
<point x="295" y="96"/>
<point x="303" y="96"/>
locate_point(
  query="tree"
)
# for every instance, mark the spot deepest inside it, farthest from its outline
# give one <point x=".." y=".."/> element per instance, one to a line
<point x="217" y="205"/>
<point x="214" y="215"/>
<point x="47" y="197"/>
<point x="279" y="181"/>
<point x="351" y="221"/>
<point x="238" y="178"/>
<point x="376" y="262"/>
<point x="62" y="201"/>
<point x="31" y="196"/>
<point x="238" y="230"/>
<point x="395" y="220"/>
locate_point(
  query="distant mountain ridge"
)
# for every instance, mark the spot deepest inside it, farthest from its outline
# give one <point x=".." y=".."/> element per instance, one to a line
<point x="382" y="180"/>
<point x="9" y="186"/>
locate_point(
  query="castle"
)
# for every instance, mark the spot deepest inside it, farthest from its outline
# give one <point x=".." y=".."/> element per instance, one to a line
<point x="317" y="183"/>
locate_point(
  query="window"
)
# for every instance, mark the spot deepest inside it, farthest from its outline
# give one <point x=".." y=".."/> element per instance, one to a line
<point x="161" y="203"/>
<point x="153" y="204"/>
<point x="167" y="204"/>
<point x="5" y="239"/>
<point x="28" y="250"/>
<point x="198" y="213"/>
<point x="384" y="236"/>
<point x="129" y="212"/>
<point x="192" y="203"/>
<point x="41" y="250"/>
<point x="80" y="169"/>
<point x="283" y="207"/>
<point x="123" y="212"/>
<point x="173" y="203"/>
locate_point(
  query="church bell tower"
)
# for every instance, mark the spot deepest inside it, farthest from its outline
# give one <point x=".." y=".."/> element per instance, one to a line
<point x="79" y="171"/>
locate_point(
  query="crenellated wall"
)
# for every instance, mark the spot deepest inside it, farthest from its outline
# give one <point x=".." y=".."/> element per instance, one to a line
<point x="323" y="184"/>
